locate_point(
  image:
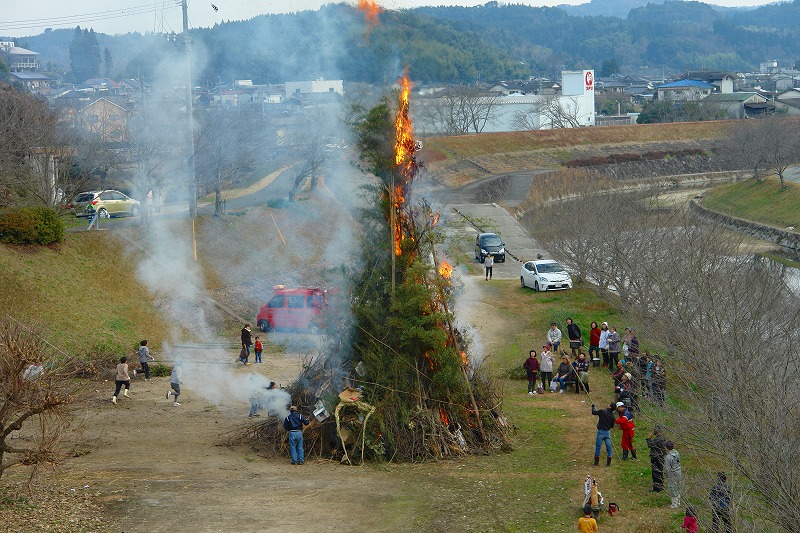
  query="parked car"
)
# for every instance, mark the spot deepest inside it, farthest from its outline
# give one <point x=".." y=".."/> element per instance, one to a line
<point x="545" y="275"/>
<point x="293" y="308"/>
<point x="490" y="243"/>
<point x="106" y="204"/>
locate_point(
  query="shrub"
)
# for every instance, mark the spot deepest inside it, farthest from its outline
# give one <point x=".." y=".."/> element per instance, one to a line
<point x="160" y="370"/>
<point x="31" y="225"/>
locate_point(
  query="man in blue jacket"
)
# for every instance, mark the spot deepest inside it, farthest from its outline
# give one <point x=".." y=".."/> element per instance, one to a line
<point x="294" y="425"/>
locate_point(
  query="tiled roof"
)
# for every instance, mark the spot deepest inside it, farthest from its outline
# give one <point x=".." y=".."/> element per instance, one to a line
<point x="683" y="84"/>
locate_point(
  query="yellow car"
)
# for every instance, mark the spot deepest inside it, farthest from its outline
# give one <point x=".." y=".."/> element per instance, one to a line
<point x="106" y="204"/>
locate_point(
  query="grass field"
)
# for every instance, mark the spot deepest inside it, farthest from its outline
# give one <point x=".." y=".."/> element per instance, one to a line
<point x="761" y="201"/>
<point x="82" y="293"/>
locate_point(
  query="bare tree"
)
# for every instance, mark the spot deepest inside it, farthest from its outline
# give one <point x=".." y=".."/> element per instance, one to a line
<point x="460" y="110"/>
<point x="771" y="143"/>
<point x="550" y="111"/>
<point x="312" y="137"/>
<point x="36" y="386"/>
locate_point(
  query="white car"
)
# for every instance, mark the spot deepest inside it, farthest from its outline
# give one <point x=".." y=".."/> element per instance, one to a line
<point x="544" y="275"/>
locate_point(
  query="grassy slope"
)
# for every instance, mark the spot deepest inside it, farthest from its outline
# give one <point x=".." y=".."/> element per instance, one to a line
<point x="761" y="201"/>
<point x="493" y="143"/>
<point x="537" y="486"/>
<point x="83" y="293"/>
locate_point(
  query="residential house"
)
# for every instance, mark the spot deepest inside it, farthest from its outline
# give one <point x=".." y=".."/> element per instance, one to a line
<point x="19" y="59"/>
<point x="33" y="81"/>
<point x="788" y="102"/>
<point x="684" y="91"/>
<point x="723" y="82"/>
<point x="300" y="88"/>
<point x="102" y="118"/>
<point x="740" y="104"/>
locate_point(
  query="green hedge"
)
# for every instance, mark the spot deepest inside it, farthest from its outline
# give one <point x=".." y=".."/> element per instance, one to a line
<point x="31" y="225"/>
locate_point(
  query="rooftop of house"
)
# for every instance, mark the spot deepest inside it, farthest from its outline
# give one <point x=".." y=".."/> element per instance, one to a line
<point x="29" y="76"/>
<point x="731" y="97"/>
<point x="706" y="75"/>
<point x="686" y="84"/>
<point x="17" y="51"/>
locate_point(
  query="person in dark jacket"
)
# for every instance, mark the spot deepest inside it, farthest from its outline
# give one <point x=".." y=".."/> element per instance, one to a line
<point x="720" y="498"/>
<point x="574" y="336"/>
<point x="565" y="372"/>
<point x="605" y="423"/>
<point x="581" y="366"/>
<point x="294" y="425"/>
<point x="247" y="342"/>
<point x="531" y="365"/>
<point x="655" y="441"/>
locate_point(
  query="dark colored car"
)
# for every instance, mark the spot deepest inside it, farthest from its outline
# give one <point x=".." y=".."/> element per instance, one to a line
<point x="490" y="243"/>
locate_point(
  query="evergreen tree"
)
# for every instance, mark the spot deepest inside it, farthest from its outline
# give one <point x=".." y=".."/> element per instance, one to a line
<point x="108" y="63"/>
<point x="84" y="55"/>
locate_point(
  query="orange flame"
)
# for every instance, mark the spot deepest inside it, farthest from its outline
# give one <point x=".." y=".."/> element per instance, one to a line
<point x="445" y="269"/>
<point x="464" y="358"/>
<point x="404" y="147"/>
<point x="371" y="11"/>
<point x="443" y="417"/>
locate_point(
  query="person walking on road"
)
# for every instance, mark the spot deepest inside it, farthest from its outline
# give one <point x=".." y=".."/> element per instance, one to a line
<point x="123" y="379"/>
<point x="672" y="468"/>
<point x="175" y="380"/>
<point x="655" y="441"/>
<point x="531" y="366"/>
<point x="145" y="358"/>
<point x="605" y="424"/>
<point x="488" y="263"/>
<point x="546" y="366"/>
<point x="294" y="425"/>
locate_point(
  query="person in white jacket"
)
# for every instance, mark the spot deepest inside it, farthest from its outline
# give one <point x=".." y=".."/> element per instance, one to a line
<point x="175" y="380"/>
<point x="554" y="336"/>
<point x="546" y="366"/>
<point x="672" y="471"/>
<point x="604" y="343"/>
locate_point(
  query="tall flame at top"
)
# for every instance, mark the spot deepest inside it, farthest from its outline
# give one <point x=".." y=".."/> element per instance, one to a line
<point x="403" y="159"/>
<point x="371" y="11"/>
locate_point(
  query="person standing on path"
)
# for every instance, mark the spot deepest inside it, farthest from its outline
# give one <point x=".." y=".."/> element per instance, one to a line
<point x="247" y="342"/>
<point x="531" y="365"/>
<point x="594" y="344"/>
<point x="175" y="380"/>
<point x="720" y="499"/>
<point x="574" y="336"/>
<point x="605" y="424"/>
<point x="672" y="468"/>
<point x="145" y="358"/>
<point x="294" y="425"/>
<point x="259" y="348"/>
<point x="655" y="441"/>
<point x="488" y="263"/>
<point x="603" y="345"/>
<point x="626" y="424"/>
<point x="554" y="336"/>
<point x="546" y="366"/>
<point x="613" y="347"/>
<point x="123" y="379"/>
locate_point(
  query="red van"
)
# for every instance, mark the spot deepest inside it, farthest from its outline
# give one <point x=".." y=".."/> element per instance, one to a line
<point x="297" y="308"/>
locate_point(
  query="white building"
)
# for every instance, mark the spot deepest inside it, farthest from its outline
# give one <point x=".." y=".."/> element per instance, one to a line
<point x="299" y="88"/>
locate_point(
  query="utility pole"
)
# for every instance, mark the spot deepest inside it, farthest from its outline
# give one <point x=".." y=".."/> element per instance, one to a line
<point x="191" y="178"/>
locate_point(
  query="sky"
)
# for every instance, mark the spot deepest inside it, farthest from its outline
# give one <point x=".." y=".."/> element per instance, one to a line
<point x="19" y="18"/>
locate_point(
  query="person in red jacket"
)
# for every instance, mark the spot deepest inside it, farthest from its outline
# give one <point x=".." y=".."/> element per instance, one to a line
<point x="594" y="344"/>
<point x="531" y="365"/>
<point x="625" y="422"/>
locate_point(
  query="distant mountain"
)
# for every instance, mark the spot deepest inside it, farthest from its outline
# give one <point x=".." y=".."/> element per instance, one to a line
<point x="606" y="8"/>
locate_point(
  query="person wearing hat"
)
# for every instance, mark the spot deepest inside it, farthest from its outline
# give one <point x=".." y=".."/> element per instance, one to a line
<point x="294" y="425"/>
<point x="672" y="468"/>
<point x="531" y="366"/>
<point x="546" y="366"/>
<point x="625" y="422"/>
<point x="605" y="424"/>
<point x="603" y="344"/>
<point x="554" y="336"/>
<point x="655" y="441"/>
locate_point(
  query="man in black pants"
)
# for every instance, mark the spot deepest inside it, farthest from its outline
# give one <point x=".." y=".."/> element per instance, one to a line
<point x="720" y="497"/>
<point x="605" y="423"/>
<point x="657" y="452"/>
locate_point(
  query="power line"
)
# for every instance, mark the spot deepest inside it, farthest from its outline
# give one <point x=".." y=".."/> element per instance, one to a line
<point x="84" y="18"/>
